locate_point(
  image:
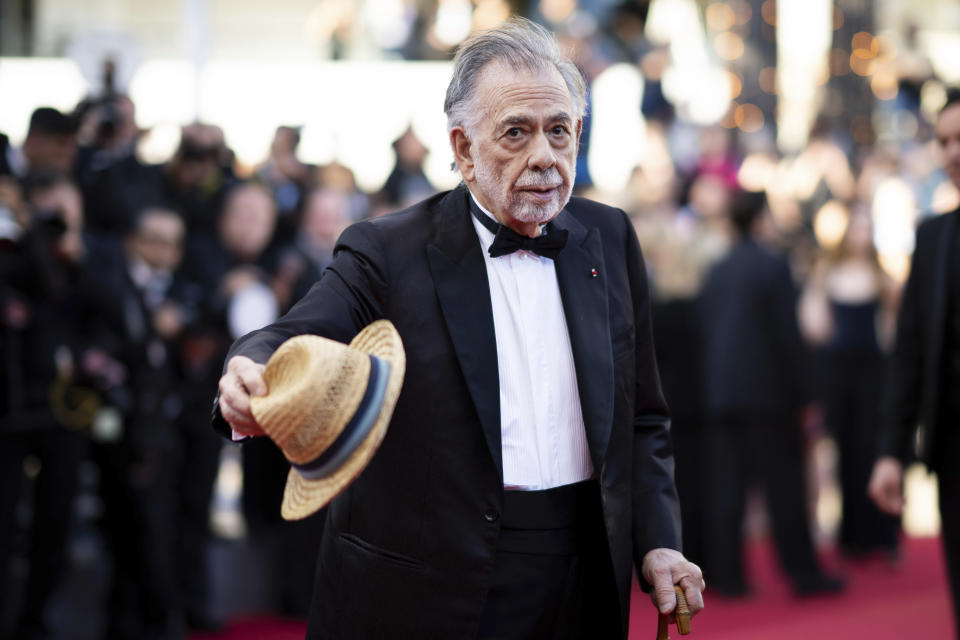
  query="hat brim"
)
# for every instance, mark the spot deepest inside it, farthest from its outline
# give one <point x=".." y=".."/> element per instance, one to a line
<point x="303" y="497"/>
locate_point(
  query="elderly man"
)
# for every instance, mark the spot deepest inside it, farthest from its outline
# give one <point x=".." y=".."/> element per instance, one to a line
<point x="528" y="463"/>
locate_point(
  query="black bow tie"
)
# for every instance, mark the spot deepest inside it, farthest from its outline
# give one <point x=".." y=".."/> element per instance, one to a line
<point x="506" y="240"/>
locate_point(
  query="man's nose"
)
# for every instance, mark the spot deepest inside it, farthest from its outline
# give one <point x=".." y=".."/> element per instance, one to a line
<point x="541" y="154"/>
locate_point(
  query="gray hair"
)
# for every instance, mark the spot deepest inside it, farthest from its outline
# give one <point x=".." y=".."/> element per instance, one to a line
<point x="520" y="43"/>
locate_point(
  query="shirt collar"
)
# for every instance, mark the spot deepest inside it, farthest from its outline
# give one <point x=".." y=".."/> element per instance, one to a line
<point x="485" y="235"/>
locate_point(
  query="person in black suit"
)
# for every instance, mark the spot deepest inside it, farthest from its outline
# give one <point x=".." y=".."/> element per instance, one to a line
<point x="528" y="464"/>
<point x="147" y="306"/>
<point x="48" y="325"/>
<point x="755" y="389"/>
<point x="924" y="381"/>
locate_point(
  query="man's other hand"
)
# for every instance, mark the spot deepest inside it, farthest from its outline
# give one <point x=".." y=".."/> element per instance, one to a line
<point x="663" y="568"/>
<point x="886" y="485"/>
<point x="244" y="378"/>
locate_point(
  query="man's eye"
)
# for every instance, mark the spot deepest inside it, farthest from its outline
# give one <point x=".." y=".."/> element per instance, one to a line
<point x="558" y="130"/>
<point x="513" y="133"/>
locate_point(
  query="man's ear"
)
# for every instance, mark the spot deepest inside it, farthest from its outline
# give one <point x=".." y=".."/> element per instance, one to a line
<point x="579" y="129"/>
<point x="462" y="152"/>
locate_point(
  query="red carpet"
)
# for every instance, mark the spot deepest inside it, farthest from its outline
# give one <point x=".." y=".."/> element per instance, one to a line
<point x="880" y="603"/>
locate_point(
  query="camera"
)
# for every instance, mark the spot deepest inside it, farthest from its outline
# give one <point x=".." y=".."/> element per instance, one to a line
<point x="49" y="222"/>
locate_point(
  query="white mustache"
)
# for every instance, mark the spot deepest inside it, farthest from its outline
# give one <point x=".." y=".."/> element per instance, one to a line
<point x="548" y="179"/>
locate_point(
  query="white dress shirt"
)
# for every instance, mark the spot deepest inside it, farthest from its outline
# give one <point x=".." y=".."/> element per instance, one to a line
<point x="542" y="434"/>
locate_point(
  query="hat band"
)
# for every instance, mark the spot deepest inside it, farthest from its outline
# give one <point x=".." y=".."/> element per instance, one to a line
<point x="356" y="430"/>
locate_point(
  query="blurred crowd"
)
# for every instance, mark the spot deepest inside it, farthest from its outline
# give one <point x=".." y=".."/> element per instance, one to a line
<point x="123" y="283"/>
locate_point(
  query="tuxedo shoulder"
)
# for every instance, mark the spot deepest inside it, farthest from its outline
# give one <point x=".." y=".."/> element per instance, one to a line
<point x="416" y="213"/>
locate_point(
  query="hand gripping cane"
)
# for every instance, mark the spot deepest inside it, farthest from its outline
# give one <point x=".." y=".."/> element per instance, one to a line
<point x="682" y="614"/>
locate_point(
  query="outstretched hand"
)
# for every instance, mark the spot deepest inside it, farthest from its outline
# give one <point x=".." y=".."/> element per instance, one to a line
<point x="243" y="378"/>
<point x="663" y="568"/>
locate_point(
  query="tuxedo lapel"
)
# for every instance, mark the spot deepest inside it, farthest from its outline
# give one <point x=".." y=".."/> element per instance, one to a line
<point x="583" y="289"/>
<point x="460" y="279"/>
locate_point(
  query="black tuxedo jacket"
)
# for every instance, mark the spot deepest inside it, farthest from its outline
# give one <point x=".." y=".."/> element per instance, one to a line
<point x="408" y="549"/>
<point x="914" y="389"/>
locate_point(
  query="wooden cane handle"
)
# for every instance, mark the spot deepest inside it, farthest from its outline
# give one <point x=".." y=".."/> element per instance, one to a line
<point x="683" y="612"/>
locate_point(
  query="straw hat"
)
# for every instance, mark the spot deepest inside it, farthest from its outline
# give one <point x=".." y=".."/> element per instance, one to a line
<point x="327" y="408"/>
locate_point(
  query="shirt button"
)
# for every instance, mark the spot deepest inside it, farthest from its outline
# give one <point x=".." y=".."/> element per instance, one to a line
<point x="491" y="515"/>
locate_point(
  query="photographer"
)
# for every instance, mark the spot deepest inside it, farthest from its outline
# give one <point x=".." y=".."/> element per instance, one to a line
<point x="50" y="144"/>
<point x="148" y="309"/>
<point x="46" y="320"/>
<point x="112" y="178"/>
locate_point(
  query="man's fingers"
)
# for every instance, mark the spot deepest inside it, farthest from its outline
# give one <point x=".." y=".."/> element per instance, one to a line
<point x="693" y="590"/>
<point x="663" y="568"/>
<point x="243" y="378"/>
<point x="665" y="596"/>
<point x="250" y="375"/>
<point x="253" y="382"/>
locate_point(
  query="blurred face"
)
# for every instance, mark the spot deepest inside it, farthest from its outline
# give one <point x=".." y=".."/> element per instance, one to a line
<point x="709" y="196"/>
<point x="247" y="222"/>
<point x="159" y="240"/>
<point x="51" y="151"/>
<point x="284" y="141"/>
<point x="519" y="161"/>
<point x="948" y="138"/>
<point x="326" y="216"/>
<point x="198" y="159"/>
<point x="410" y="151"/>
<point x="64" y="199"/>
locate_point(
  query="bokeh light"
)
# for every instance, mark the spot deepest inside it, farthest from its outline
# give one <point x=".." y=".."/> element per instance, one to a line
<point x="838" y="18"/>
<point x="767" y="79"/>
<point x="736" y="84"/>
<point x="742" y="11"/>
<point x="884" y="85"/>
<point x="728" y="45"/>
<point x="863" y="43"/>
<point x="618" y="132"/>
<point x="757" y="172"/>
<point x="719" y="16"/>
<point x="769" y="12"/>
<point x="556" y="11"/>
<point x="860" y="65"/>
<point x="749" y="118"/>
<point x="830" y="224"/>
<point x="894" y="212"/>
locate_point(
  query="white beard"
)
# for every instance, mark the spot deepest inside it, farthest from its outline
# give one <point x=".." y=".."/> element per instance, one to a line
<point x="518" y="206"/>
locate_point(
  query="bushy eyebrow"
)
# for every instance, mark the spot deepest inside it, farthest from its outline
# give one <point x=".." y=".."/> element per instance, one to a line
<point x="512" y="121"/>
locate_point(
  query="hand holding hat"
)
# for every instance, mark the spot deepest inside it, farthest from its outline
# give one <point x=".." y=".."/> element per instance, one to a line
<point x="327" y="408"/>
<point x="242" y="379"/>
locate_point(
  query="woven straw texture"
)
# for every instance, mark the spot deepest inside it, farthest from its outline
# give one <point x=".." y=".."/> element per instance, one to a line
<point x="315" y="385"/>
<point x="315" y="390"/>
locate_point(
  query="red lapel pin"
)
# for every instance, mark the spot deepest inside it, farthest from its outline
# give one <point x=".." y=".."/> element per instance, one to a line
<point x="593" y="273"/>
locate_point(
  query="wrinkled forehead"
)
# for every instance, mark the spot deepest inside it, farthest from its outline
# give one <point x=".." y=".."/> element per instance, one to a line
<point x="504" y="87"/>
